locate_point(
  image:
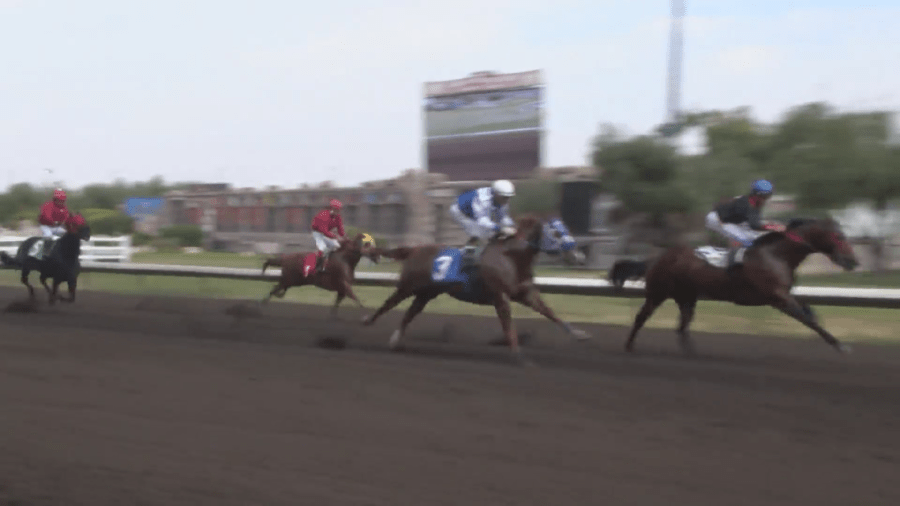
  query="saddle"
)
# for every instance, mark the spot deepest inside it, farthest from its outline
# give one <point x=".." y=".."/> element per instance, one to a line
<point x="722" y="258"/>
<point x="41" y="248"/>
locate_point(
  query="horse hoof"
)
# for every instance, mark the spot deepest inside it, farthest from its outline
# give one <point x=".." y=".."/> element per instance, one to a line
<point x="580" y="335"/>
<point x="367" y="320"/>
<point x="394" y="343"/>
<point x="845" y="349"/>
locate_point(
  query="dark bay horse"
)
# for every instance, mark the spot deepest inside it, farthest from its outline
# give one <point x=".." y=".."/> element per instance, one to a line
<point x="337" y="275"/>
<point x="504" y="275"/>
<point x="765" y="277"/>
<point x="60" y="263"/>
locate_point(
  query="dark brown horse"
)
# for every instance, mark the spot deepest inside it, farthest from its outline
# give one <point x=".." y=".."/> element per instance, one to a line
<point x="61" y="262"/>
<point x="337" y="275"/>
<point x="503" y="275"/>
<point x="765" y="277"/>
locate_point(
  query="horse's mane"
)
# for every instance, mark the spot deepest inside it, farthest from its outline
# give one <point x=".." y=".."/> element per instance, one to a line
<point x="793" y="224"/>
<point x="528" y="221"/>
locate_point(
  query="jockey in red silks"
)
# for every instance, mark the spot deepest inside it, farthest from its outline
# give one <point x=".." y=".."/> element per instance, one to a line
<point x="52" y="219"/>
<point x="322" y="225"/>
<point x="54" y="214"/>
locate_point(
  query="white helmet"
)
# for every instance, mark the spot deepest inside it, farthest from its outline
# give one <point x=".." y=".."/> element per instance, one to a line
<point x="503" y="188"/>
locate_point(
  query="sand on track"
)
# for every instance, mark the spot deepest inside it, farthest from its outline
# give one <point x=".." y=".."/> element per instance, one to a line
<point x="121" y="400"/>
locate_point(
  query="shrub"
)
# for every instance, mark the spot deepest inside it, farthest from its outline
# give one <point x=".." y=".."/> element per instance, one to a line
<point x="141" y="239"/>
<point x="185" y="235"/>
<point x="107" y="221"/>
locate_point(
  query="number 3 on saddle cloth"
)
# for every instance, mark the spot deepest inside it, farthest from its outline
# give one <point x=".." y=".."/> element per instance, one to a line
<point x="446" y="270"/>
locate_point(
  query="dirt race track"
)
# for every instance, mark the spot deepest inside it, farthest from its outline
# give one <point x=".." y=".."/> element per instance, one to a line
<point x="122" y="400"/>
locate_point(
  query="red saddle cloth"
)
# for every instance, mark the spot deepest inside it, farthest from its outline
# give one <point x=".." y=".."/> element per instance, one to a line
<point x="308" y="263"/>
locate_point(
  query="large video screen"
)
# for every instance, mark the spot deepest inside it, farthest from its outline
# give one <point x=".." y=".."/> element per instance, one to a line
<point x="479" y="113"/>
<point x="485" y="126"/>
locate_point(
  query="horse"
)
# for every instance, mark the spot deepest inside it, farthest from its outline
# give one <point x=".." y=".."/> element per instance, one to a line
<point x="764" y="277"/>
<point x="297" y="269"/>
<point x="60" y="262"/>
<point x="503" y="275"/>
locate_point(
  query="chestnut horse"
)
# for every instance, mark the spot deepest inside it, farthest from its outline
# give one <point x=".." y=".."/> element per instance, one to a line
<point x="765" y="277"/>
<point x="504" y="274"/>
<point x="60" y="261"/>
<point x="337" y="276"/>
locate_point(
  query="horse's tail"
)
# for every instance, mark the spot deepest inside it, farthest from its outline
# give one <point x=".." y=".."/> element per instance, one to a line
<point x="401" y="253"/>
<point x="624" y="270"/>
<point x="275" y="260"/>
<point x="7" y="260"/>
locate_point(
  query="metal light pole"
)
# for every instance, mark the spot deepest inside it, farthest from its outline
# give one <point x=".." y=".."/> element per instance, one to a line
<point x="673" y="84"/>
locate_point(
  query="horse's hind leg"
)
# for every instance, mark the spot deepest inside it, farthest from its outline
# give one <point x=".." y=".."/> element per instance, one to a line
<point x="418" y="304"/>
<point x="278" y="290"/>
<point x="686" y="306"/>
<point x="25" y="282"/>
<point x="651" y="303"/>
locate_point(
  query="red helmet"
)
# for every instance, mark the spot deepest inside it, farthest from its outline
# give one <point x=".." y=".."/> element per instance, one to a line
<point x="58" y="194"/>
<point x="336" y="204"/>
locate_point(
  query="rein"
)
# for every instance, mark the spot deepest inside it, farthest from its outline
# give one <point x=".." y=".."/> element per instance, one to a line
<point x="793" y="237"/>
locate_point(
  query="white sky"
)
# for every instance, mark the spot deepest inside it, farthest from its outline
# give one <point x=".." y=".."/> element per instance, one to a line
<point x="260" y="92"/>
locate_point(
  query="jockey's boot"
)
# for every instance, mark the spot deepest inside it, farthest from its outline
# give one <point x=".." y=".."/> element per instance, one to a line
<point x="734" y="259"/>
<point x="46" y="245"/>
<point x="469" y="253"/>
<point x="320" y="262"/>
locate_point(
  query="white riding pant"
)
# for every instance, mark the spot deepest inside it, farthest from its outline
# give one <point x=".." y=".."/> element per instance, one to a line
<point x="324" y="243"/>
<point x="48" y="231"/>
<point x="472" y="227"/>
<point x="741" y="233"/>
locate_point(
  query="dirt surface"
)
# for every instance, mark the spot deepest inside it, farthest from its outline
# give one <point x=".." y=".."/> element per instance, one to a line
<point x="122" y="400"/>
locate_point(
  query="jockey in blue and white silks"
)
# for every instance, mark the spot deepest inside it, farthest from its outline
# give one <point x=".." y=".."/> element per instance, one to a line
<point x="484" y="212"/>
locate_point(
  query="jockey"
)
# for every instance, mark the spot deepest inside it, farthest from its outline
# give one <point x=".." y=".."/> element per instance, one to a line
<point x="322" y="225"/>
<point x="52" y="218"/>
<point x="484" y="212"/>
<point x="739" y="219"/>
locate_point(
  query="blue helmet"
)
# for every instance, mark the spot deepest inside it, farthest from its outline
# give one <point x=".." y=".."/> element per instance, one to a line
<point x="762" y="187"/>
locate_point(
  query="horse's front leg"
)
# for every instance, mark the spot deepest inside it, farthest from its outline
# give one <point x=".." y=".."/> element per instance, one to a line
<point x="789" y="305"/>
<point x="73" y="285"/>
<point x="53" y="293"/>
<point x="504" y="312"/>
<point x="531" y="297"/>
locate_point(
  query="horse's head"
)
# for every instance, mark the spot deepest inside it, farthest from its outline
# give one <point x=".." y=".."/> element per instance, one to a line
<point x="824" y="236"/>
<point x="362" y="244"/>
<point x="555" y="237"/>
<point x="366" y="244"/>
<point x="76" y="225"/>
<point x="550" y="235"/>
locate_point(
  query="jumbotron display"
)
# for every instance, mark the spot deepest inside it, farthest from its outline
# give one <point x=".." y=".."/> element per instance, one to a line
<point x="486" y="126"/>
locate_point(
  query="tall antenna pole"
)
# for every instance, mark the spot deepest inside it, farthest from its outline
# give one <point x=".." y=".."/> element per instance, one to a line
<point x="676" y="42"/>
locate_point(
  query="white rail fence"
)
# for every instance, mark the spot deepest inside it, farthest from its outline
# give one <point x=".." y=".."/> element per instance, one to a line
<point x="99" y="249"/>
<point x="824" y="296"/>
<point x="113" y="255"/>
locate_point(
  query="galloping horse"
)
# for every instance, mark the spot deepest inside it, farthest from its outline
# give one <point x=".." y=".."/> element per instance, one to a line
<point x="59" y="262"/>
<point x="765" y="278"/>
<point x="504" y="274"/>
<point x="298" y="269"/>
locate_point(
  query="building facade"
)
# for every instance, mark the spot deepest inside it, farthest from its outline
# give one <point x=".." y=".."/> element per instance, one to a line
<point x="410" y="209"/>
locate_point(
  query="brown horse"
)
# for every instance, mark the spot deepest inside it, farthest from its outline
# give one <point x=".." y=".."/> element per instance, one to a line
<point x="337" y="276"/>
<point x="765" y="277"/>
<point x="504" y="274"/>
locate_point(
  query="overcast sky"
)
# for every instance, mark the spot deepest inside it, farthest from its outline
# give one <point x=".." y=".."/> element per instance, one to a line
<point x="260" y="92"/>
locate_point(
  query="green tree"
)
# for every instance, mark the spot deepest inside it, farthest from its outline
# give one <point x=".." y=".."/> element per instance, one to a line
<point x="642" y="172"/>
